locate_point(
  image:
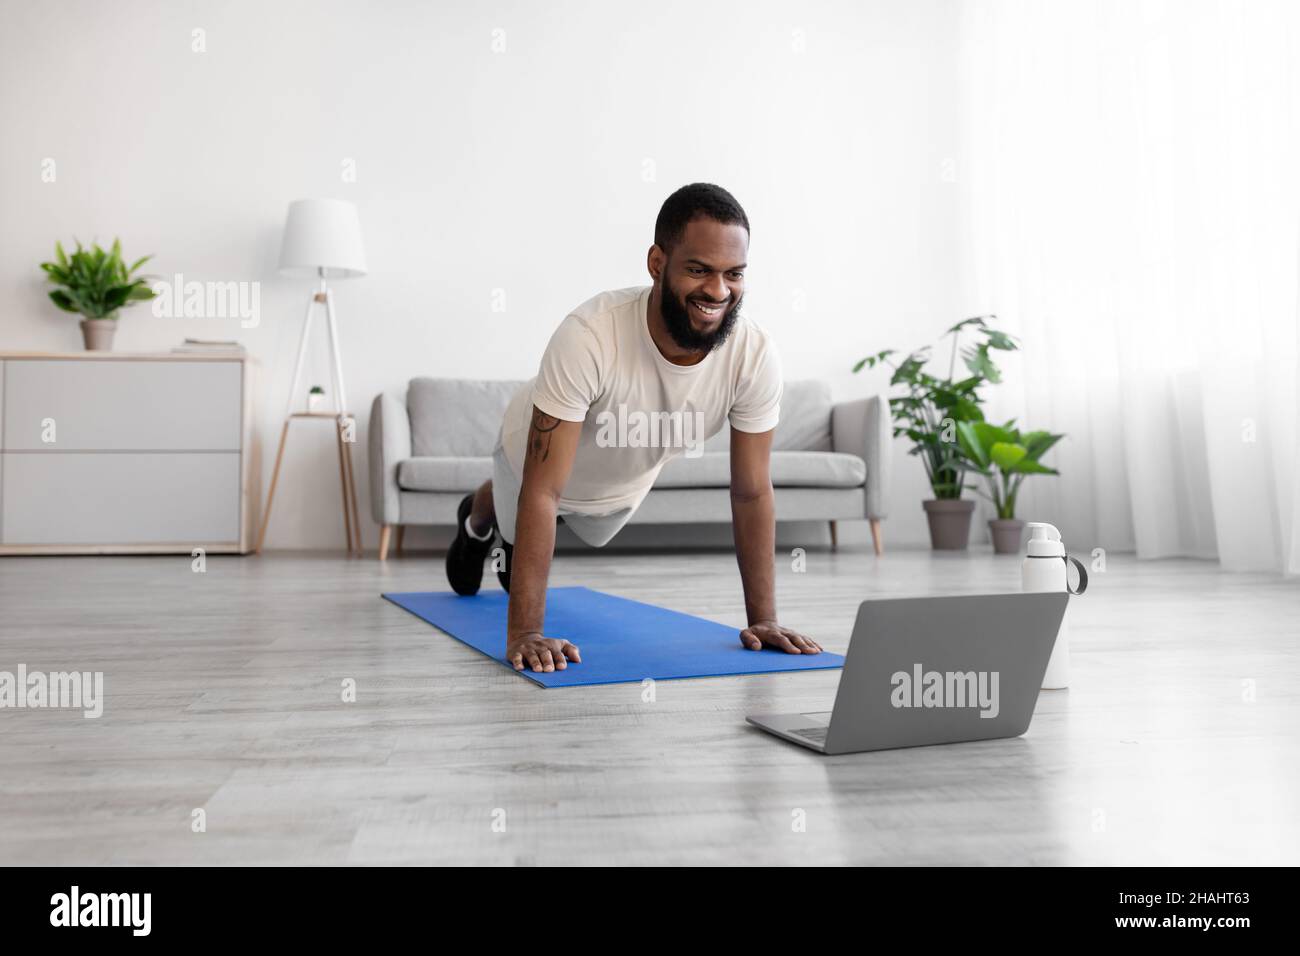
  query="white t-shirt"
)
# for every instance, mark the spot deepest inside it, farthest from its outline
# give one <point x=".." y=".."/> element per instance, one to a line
<point x="638" y="409"/>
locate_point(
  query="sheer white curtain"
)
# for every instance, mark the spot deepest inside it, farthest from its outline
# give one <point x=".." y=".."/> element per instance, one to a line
<point x="1128" y="173"/>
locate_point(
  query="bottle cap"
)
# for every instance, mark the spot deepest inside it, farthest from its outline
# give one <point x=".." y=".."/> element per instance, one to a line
<point x="1044" y="540"/>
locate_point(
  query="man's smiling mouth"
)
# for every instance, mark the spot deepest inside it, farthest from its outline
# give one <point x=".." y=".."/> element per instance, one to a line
<point x="707" y="311"/>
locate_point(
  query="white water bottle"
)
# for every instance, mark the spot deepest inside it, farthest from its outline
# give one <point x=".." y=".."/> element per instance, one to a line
<point x="1044" y="569"/>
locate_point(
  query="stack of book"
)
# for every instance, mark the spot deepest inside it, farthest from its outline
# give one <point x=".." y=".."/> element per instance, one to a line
<point x="210" y="347"/>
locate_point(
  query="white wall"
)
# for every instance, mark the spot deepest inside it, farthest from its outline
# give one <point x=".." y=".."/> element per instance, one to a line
<point x="521" y="170"/>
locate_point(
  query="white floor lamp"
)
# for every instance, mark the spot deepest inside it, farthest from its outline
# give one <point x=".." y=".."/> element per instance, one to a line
<point x="322" y="239"/>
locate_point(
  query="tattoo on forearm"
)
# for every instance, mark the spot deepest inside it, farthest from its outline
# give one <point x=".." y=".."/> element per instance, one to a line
<point x="539" y="434"/>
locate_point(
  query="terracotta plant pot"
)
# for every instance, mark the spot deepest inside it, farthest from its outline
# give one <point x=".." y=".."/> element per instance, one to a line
<point x="1006" y="533"/>
<point x="98" y="334"/>
<point x="949" y="522"/>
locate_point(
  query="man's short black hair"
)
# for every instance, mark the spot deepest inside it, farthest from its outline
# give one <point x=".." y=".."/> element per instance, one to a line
<point x="691" y="202"/>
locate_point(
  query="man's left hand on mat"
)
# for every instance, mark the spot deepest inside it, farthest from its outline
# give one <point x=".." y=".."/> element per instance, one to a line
<point x="773" y="635"/>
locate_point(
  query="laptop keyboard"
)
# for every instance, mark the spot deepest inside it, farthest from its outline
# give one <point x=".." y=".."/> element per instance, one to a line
<point x="816" y="734"/>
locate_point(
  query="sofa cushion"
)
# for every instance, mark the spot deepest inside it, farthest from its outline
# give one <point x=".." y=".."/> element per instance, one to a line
<point x="460" y="417"/>
<point x="805" y="423"/>
<point x="790" y="469"/>
<point x="443" y="473"/>
<point x="456" y="418"/>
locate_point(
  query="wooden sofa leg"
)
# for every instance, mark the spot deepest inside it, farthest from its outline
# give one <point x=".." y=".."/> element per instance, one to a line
<point x="397" y="545"/>
<point x="875" y="536"/>
<point x="384" y="534"/>
<point x="835" y="538"/>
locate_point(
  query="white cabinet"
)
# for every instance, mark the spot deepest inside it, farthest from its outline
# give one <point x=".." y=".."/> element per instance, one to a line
<point x="114" y="452"/>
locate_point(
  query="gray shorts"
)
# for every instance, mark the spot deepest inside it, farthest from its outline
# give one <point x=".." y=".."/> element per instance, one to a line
<point x="595" y="530"/>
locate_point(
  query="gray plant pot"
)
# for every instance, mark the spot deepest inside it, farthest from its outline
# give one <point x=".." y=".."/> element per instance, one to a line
<point x="949" y="522"/>
<point x="98" y="334"/>
<point x="1006" y="534"/>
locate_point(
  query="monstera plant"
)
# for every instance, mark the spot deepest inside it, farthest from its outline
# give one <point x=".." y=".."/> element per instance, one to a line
<point x="1005" y="457"/>
<point x="931" y="408"/>
<point x="95" y="284"/>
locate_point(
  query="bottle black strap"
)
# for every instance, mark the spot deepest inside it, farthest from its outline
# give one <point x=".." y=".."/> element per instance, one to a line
<point x="1083" y="575"/>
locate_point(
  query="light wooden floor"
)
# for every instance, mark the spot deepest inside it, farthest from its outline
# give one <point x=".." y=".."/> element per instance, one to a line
<point x="223" y="693"/>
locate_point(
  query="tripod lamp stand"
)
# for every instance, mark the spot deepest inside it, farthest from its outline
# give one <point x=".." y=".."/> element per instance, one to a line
<point x="322" y="240"/>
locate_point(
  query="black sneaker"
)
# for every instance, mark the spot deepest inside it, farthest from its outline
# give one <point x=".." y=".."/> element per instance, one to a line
<point x="466" y="555"/>
<point x="504" y="576"/>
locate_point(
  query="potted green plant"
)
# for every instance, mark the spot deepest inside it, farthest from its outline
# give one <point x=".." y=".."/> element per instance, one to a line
<point x="929" y="413"/>
<point x="315" y="397"/>
<point x="1005" y="457"/>
<point x="95" y="284"/>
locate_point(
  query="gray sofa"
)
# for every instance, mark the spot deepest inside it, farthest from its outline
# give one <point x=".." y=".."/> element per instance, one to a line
<point x="431" y="444"/>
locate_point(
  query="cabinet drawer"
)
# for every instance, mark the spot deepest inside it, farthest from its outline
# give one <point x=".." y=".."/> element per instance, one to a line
<point x="122" y="405"/>
<point x="71" y="498"/>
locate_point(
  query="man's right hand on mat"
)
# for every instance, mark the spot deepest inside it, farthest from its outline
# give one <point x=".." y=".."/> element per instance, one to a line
<point x="542" y="654"/>
<point x="773" y="635"/>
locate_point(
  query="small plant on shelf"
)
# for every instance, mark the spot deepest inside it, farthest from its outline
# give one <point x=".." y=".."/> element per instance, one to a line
<point x="96" y="284"/>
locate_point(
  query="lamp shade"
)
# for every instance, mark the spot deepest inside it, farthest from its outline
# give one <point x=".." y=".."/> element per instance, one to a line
<point x="322" y="234"/>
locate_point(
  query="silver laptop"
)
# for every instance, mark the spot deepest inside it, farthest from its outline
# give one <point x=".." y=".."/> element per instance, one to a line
<point x="934" y="670"/>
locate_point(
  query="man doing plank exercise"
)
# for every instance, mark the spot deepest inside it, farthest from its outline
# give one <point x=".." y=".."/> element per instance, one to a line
<point x="630" y="380"/>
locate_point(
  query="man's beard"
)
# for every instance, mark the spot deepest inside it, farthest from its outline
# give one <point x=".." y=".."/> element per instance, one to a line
<point x="678" y="321"/>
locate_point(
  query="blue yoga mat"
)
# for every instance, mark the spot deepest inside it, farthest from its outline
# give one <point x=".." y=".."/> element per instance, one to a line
<point x="621" y="641"/>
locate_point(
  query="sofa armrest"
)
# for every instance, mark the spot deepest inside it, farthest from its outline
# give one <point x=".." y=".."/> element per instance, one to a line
<point x="390" y="444"/>
<point x="863" y="427"/>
